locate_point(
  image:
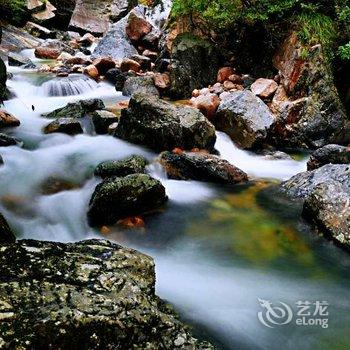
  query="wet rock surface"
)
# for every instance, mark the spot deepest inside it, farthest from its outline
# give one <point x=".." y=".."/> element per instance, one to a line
<point x="162" y="126"/>
<point x="137" y="85"/>
<point x="91" y="294"/>
<point x="201" y="167"/>
<point x="131" y="165"/>
<point x="121" y="197"/>
<point x="329" y="154"/>
<point x="245" y="118"/>
<point x="69" y="126"/>
<point x="102" y="120"/>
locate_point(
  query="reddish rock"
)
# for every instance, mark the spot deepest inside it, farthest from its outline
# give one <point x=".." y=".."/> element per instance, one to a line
<point x="91" y="71"/>
<point x="137" y="27"/>
<point x="129" y="64"/>
<point x="207" y="104"/>
<point x="47" y="53"/>
<point x="78" y="60"/>
<point x="161" y="81"/>
<point x="264" y="88"/>
<point x="224" y="74"/>
<point x="87" y="39"/>
<point x="104" y="64"/>
<point x="236" y="79"/>
<point x="7" y="119"/>
<point x="229" y="85"/>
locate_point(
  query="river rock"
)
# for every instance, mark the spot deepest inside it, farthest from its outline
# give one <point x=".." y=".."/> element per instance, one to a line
<point x="137" y="26"/>
<point x="39" y="31"/>
<point x="47" y="52"/>
<point x="6" y="140"/>
<point x="264" y="88"/>
<point x="195" y="63"/>
<point x="87" y="39"/>
<point x="224" y="73"/>
<point x="69" y="126"/>
<point x="91" y="71"/>
<point x="140" y="84"/>
<point x="6" y="234"/>
<point x="102" y="120"/>
<point x="319" y="117"/>
<point x="163" y="126"/>
<point x="3" y="79"/>
<point x="131" y="165"/>
<point x="8" y="120"/>
<point x="144" y="62"/>
<point x="87" y="295"/>
<point x="161" y="81"/>
<point x="76" y="109"/>
<point x="45" y="15"/>
<point x="104" y="64"/>
<point x="120" y="197"/>
<point x="245" y="118"/>
<point x="118" y="78"/>
<point x="115" y="43"/>
<point x="200" y="167"/>
<point x="17" y="60"/>
<point x="207" y="104"/>
<point x="301" y="185"/>
<point x="327" y="206"/>
<point x="129" y="64"/>
<point x="334" y="154"/>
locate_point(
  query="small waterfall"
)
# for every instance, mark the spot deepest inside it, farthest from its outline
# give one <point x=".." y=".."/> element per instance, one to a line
<point x="68" y="86"/>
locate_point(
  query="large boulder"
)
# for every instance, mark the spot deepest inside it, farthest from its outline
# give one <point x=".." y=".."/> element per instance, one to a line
<point x="245" y="118"/>
<point x="329" y="154"/>
<point x="124" y="167"/>
<point x="87" y="295"/>
<point x="200" y="167"/>
<point x="161" y="125"/>
<point x="302" y="184"/>
<point x="115" y="43"/>
<point x="195" y="63"/>
<point x="328" y="208"/>
<point x="139" y="84"/>
<point x="6" y="234"/>
<point x="313" y="115"/>
<point x="76" y="109"/>
<point x="121" y="197"/>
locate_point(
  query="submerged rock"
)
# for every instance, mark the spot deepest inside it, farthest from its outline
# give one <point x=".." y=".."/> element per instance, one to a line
<point x="124" y="167"/>
<point x="195" y="64"/>
<point x="102" y="120"/>
<point x="201" y="167"/>
<point x="328" y="208"/>
<point x="136" y="85"/>
<point x="69" y="126"/>
<point x="163" y="126"/>
<point x="6" y="234"/>
<point x="329" y="154"/>
<point x="245" y="118"/>
<point x="120" y="197"/>
<point x="87" y="295"/>
<point x="76" y="109"/>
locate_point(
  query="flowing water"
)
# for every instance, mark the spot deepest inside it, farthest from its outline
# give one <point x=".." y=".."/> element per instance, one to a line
<point x="217" y="249"/>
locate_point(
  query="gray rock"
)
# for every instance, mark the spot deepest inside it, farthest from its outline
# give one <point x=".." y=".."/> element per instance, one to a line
<point x="87" y="295"/>
<point x="161" y="125"/>
<point x="6" y="234"/>
<point x="201" y="167"/>
<point x="301" y="185"/>
<point x="140" y="84"/>
<point x="329" y="154"/>
<point x="120" y="197"/>
<point x="6" y="140"/>
<point x="102" y="120"/>
<point x="69" y="126"/>
<point x="124" y="167"/>
<point x="245" y="118"/>
<point x="76" y="109"/>
<point x="18" y="60"/>
<point x="194" y="65"/>
<point x="328" y="207"/>
<point x="115" y="43"/>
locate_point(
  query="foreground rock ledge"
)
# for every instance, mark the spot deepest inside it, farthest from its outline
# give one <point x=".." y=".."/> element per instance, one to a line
<point x="88" y="295"/>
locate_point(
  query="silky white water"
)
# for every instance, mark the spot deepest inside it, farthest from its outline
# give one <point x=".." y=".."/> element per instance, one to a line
<point x="207" y="243"/>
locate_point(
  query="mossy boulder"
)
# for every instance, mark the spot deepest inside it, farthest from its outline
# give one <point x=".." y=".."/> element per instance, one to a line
<point x="87" y="295"/>
<point x="195" y="63"/>
<point x="161" y="125"/>
<point x="121" y="197"/>
<point x="131" y="165"/>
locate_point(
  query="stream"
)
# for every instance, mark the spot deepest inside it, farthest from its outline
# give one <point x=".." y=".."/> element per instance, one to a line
<point x="217" y="249"/>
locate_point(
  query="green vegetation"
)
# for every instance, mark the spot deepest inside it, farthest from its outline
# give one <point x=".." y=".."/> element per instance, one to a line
<point x="14" y="11"/>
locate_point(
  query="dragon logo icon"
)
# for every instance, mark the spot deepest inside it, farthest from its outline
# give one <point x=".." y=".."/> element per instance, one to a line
<point x="273" y="316"/>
